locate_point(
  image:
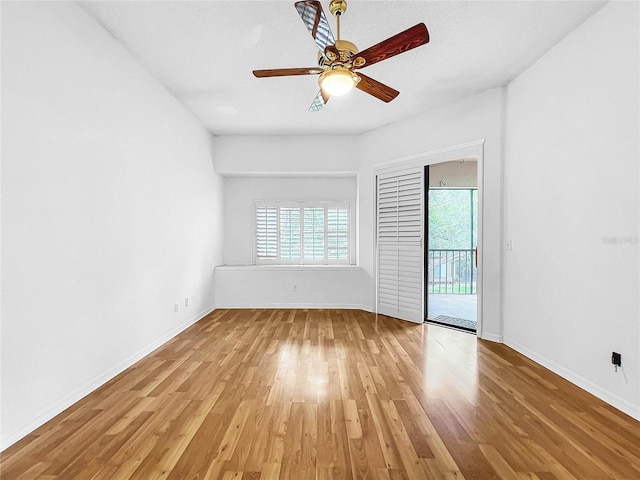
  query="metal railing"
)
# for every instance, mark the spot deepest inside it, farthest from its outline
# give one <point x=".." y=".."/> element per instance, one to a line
<point x="451" y="271"/>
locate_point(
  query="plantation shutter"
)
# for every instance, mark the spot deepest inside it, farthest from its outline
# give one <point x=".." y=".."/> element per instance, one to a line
<point x="338" y="234"/>
<point x="314" y="233"/>
<point x="292" y="233"/>
<point x="400" y="213"/>
<point x="267" y="232"/>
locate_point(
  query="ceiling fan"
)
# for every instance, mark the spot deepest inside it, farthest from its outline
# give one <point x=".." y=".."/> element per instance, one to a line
<point x="338" y="60"/>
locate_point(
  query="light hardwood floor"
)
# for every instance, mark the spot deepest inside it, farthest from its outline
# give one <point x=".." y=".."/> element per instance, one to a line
<point x="323" y="394"/>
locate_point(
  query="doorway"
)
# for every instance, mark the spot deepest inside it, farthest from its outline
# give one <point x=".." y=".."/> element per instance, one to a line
<point x="451" y="256"/>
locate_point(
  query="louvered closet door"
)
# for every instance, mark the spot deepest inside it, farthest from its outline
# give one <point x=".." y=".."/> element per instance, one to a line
<point x="400" y="255"/>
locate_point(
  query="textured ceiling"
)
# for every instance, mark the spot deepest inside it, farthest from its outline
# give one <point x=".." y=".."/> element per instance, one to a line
<point x="204" y="52"/>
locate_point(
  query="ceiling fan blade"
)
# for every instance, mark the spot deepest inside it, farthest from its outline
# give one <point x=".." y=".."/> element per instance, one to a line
<point x="325" y="95"/>
<point x="404" y="41"/>
<point x="375" y="88"/>
<point x="313" y="17"/>
<point x="284" y="72"/>
<point x="320" y="101"/>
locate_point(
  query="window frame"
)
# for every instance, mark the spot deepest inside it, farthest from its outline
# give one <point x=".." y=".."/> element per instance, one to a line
<point x="343" y="204"/>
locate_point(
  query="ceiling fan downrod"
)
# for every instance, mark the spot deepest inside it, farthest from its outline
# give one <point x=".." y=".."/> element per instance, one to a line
<point x="337" y="8"/>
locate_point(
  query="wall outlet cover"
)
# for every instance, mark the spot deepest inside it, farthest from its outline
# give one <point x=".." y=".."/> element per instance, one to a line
<point x="616" y="359"/>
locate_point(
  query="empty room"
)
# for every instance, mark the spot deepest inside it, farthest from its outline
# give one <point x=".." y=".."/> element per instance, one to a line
<point x="320" y="240"/>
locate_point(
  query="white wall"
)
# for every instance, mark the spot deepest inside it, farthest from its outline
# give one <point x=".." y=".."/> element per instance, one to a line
<point x="323" y="286"/>
<point x="571" y="283"/>
<point x="239" y="154"/>
<point x="478" y="117"/>
<point x="111" y="212"/>
<point x="315" y="286"/>
<point x="455" y="174"/>
<point x="322" y="167"/>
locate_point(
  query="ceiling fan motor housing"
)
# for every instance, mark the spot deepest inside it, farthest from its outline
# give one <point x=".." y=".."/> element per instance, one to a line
<point x="346" y="49"/>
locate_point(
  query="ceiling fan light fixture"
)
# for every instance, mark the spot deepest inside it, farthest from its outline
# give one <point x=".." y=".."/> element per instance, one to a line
<point x="338" y="81"/>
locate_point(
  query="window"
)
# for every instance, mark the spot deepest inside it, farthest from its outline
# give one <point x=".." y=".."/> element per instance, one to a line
<point x="302" y="233"/>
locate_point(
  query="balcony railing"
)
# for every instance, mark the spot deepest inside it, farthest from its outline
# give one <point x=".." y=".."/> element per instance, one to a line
<point x="451" y="271"/>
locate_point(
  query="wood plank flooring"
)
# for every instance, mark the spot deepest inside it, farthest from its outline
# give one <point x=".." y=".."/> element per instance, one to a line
<point x="331" y="394"/>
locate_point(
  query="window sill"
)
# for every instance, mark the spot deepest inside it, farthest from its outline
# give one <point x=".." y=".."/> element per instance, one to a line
<point x="306" y="268"/>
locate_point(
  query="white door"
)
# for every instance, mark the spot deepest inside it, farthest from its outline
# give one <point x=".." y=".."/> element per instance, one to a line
<point x="400" y="227"/>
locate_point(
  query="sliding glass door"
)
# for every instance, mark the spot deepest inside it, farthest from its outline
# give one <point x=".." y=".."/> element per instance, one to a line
<point x="451" y="267"/>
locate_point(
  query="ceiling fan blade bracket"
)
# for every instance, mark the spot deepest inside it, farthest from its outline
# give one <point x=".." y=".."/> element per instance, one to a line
<point x="332" y="53"/>
<point x="358" y="62"/>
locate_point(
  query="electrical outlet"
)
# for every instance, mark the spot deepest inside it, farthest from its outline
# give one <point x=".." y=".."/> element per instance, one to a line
<point x="175" y="307"/>
<point x="616" y="359"/>
<point x="186" y="302"/>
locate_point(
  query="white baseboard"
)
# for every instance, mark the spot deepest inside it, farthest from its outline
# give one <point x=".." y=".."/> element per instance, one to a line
<point x="492" y="337"/>
<point x="614" y="400"/>
<point x="43" y="417"/>
<point x="303" y="306"/>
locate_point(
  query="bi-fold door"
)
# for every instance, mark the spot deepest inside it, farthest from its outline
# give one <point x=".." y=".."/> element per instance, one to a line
<point x="400" y="255"/>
